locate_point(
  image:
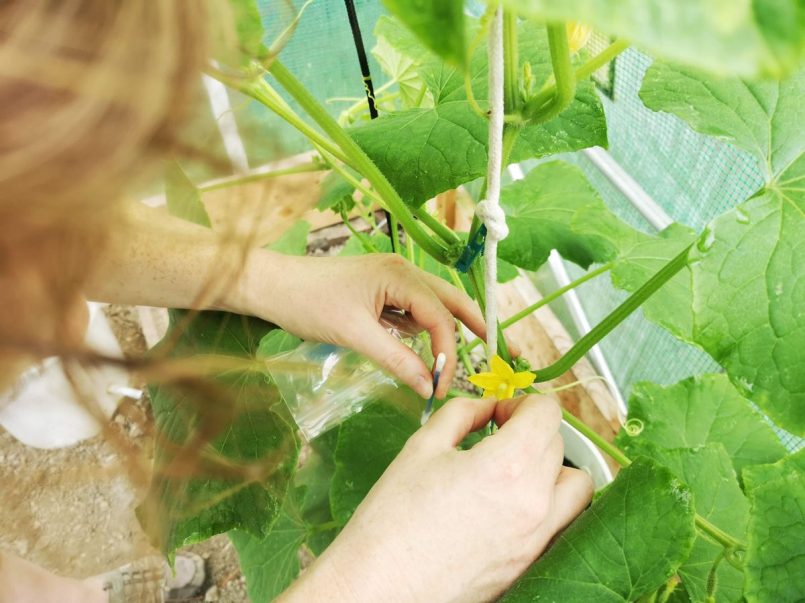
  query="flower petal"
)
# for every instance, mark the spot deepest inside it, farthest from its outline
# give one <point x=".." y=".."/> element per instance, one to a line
<point x="489" y="393"/>
<point x="499" y="367"/>
<point x="509" y="393"/>
<point x="485" y="380"/>
<point x="521" y="380"/>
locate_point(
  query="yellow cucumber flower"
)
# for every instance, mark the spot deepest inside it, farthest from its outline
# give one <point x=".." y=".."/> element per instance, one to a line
<point x="577" y="36"/>
<point x="501" y="381"/>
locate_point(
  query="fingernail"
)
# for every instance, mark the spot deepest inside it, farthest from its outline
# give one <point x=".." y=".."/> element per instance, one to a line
<point x="423" y="387"/>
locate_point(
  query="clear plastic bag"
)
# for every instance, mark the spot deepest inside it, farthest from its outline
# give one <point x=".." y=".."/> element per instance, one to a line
<point x="323" y="384"/>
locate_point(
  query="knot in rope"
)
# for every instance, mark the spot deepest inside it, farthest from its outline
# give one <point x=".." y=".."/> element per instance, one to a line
<point x="494" y="219"/>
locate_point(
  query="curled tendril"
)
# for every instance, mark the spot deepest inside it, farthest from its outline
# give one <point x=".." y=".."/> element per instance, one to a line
<point x="634" y="427"/>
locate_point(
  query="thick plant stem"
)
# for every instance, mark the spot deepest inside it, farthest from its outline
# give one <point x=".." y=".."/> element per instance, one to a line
<point x="545" y="301"/>
<point x="584" y="71"/>
<point x="260" y="91"/>
<point x="259" y="176"/>
<point x="447" y="235"/>
<point x="537" y="112"/>
<point x="717" y="534"/>
<point x="601" y="59"/>
<point x="634" y="301"/>
<point x="477" y="281"/>
<point x="361" y="162"/>
<point x="511" y="63"/>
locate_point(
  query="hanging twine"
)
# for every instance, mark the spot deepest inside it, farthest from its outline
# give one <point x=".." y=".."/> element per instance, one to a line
<point x="488" y="210"/>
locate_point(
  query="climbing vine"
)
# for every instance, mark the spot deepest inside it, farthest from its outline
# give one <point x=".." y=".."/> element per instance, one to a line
<point x="710" y="492"/>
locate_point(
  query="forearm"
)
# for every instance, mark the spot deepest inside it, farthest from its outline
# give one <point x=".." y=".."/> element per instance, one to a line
<point x="155" y="259"/>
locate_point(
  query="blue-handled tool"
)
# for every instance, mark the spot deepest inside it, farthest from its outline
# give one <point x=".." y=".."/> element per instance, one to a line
<point x="437" y="372"/>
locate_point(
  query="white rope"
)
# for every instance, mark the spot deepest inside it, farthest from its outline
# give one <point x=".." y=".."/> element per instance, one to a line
<point x="489" y="211"/>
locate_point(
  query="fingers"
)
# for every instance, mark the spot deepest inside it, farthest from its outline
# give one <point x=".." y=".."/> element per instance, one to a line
<point x="413" y="295"/>
<point x="392" y="355"/>
<point x="463" y="307"/>
<point x="455" y="420"/>
<point x="572" y="494"/>
<point x="552" y="458"/>
<point x="459" y="303"/>
<point x="528" y="420"/>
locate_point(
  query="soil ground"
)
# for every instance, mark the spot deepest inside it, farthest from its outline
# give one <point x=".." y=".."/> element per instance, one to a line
<point x="71" y="510"/>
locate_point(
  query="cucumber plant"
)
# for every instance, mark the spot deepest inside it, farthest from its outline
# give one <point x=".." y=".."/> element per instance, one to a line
<point x="709" y="504"/>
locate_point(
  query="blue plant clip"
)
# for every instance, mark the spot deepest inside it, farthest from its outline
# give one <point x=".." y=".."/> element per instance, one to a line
<point x="474" y="248"/>
<point x="437" y="372"/>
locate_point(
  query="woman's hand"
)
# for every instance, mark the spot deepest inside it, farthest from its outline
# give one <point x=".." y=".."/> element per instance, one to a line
<point x="447" y="525"/>
<point x="339" y="300"/>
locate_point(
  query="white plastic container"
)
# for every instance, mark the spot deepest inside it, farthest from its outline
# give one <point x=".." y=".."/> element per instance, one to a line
<point x="42" y="410"/>
<point x="583" y="454"/>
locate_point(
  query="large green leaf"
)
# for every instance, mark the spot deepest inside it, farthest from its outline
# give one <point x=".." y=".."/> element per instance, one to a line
<point x="440" y="25"/>
<point x="764" y="118"/>
<point x="699" y="411"/>
<point x="670" y="306"/>
<point x="367" y="443"/>
<point x="629" y="543"/>
<point x="775" y="558"/>
<point x="233" y="417"/>
<point x="270" y="564"/>
<point x="294" y="240"/>
<point x="183" y="198"/>
<point x="723" y="36"/>
<point x="748" y="267"/>
<point x="426" y="151"/>
<point x="749" y="295"/>
<point x="401" y="69"/>
<point x="717" y="497"/>
<point x="237" y="36"/>
<point x="550" y="209"/>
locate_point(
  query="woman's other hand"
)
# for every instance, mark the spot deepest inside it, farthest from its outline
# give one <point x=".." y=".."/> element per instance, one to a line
<point x="444" y="524"/>
<point x="339" y="300"/>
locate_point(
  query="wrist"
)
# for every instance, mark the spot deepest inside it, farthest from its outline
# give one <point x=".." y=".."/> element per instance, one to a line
<point x="255" y="290"/>
<point x="339" y="575"/>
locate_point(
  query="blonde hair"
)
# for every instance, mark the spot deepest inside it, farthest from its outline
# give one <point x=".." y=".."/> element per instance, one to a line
<point x="91" y="91"/>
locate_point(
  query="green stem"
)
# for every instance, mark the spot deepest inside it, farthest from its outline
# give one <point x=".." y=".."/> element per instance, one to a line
<point x="260" y="91"/>
<point x="634" y="301"/>
<point x="670" y="587"/>
<point x="460" y="393"/>
<point x="325" y="526"/>
<point x="361" y="162"/>
<point x="545" y="301"/>
<point x="409" y="248"/>
<point x="607" y="447"/>
<point x="447" y="235"/>
<point x="601" y="59"/>
<point x="511" y="63"/>
<point x="463" y="356"/>
<point x="719" y="535"/>
<point x="313" y="166"/>
<point x="583" y="72"/>
<point x="366" y="242"/>
<point x="344" y="173"/>
<point x="537" y="112"/>
<point x="712" y="576"/>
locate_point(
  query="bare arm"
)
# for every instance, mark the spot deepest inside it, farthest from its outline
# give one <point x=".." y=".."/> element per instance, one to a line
<point x="159" y="260"/>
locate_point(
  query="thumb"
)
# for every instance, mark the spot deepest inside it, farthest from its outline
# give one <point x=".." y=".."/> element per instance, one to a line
<point x="380" y="346"/>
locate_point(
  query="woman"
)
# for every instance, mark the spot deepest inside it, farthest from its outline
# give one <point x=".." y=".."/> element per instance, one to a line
<point x="91" y="92"/>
